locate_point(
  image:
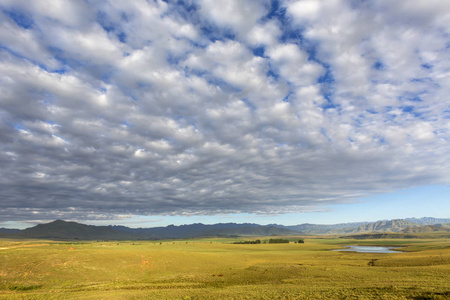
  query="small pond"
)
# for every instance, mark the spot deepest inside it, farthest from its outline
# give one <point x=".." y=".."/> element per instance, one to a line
<point x="369" y="249"/>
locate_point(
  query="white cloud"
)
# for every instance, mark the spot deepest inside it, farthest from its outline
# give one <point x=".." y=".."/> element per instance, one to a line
<point x="234" y="14"/>
<point x="304" y="10"/>
<point x="266" y="34"/>
<point x="293" y="65"/>
<point x="25" y="42"/>
<point x="125" y="108"/>
<point x="66" y="12"/>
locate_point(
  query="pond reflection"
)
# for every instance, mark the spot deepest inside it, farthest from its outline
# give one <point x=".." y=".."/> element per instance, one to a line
<point x="369" y="249"/>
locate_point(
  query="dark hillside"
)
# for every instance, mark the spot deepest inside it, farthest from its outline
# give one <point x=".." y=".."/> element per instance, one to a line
<point x="71" y="230"/>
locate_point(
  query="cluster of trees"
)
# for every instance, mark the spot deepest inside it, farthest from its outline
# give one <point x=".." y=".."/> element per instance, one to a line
<point x="271" y="241"/>
<point x="248" y="242"/>
<point x="278" y="241"/>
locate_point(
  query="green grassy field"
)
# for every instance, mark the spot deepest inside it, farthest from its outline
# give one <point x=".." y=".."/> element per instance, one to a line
<point x="215" y="268"/>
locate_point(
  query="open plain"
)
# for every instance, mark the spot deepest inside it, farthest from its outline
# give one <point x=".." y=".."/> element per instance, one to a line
<point x="216" y="268"/>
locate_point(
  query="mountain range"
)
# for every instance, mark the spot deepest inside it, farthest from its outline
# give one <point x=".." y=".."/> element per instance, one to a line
<point x="63" y="230"/>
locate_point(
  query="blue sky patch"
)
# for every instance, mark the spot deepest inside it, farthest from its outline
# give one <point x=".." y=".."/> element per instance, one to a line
<point x="258" y="51"/>
<point x="378" y="66"/>
<point x="20" y="18"/>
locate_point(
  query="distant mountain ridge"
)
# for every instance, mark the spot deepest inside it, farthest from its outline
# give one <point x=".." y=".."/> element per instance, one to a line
<point x="386" y="226"/>
<point x="428" y="221"/>
<point x="382" y="226"/>
<point x="321" y="228"/>
<point x="426" y="229"/>
<point x="60" y="229"/>
<point x="202" y="230"/>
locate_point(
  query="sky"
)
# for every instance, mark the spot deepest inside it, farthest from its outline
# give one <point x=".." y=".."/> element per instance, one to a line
<point x="149" y="113"/>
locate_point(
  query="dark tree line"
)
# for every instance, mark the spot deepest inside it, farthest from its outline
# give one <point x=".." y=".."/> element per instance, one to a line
<point x="278" y="241"/>
<point x="248" y="242"/>
<point x="271" y="241"/>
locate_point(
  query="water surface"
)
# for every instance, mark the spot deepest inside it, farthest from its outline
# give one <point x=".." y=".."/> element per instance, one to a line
<point x="369" y="249"/>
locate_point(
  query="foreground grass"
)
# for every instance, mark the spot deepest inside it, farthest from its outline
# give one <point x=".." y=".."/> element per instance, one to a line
<point x="215" y="268"/>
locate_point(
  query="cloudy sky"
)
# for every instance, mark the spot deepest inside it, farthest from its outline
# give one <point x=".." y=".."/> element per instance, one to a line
<point x="224" y="110"/>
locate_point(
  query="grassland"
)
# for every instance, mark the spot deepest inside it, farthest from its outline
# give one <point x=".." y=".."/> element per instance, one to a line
<point x="216" y="268"/>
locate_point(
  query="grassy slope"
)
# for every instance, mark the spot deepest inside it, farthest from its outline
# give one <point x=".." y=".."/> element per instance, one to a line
<point x="216" y="269"/>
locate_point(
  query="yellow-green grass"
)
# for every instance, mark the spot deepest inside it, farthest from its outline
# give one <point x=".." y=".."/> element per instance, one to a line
<point x="216" y="268"/>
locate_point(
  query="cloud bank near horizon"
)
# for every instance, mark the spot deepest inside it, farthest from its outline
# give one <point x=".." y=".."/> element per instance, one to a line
<point x="110" y="109"/>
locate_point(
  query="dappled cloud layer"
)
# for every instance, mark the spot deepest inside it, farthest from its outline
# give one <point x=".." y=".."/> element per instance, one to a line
<point x="117" y="108"/>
